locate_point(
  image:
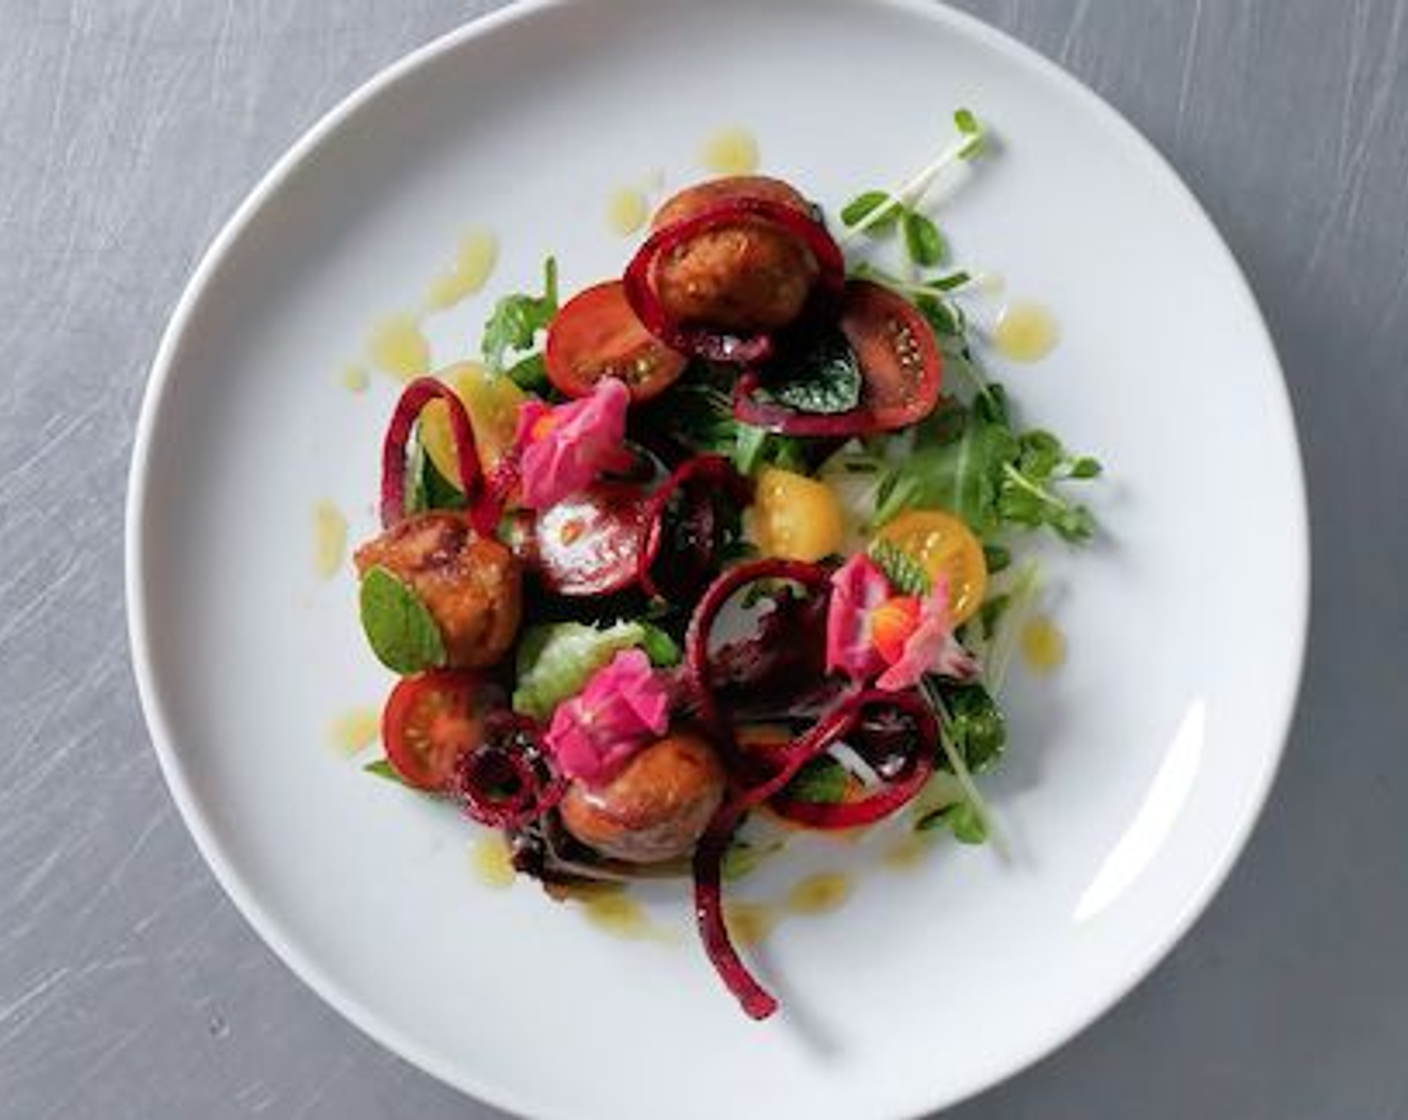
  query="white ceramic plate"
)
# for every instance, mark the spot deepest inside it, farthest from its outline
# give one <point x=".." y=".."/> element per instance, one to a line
<point x="1134" y="775"/>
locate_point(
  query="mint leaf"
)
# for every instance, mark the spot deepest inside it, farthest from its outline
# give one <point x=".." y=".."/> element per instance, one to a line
<point x="403" y="633"/>
<point x="822" y="378"/>
<point x="821" y="780"/>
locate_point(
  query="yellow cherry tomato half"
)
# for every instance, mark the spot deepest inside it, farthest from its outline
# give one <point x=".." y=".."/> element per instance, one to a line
<point x="492" y="403"/>
<point x="944" y="546"/>
<point x="795" y="517"/>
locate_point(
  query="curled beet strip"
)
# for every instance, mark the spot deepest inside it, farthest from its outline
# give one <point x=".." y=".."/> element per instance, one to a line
<point x="720" y="346"/>
<point x="720" y="480"/>
<point x="502" y="783"/>
<point x="895" y="794"/>
<point x="814" y="577"/>
<point x="774" y="417"/>
<point x="414" y="398"/>
<point x="756" y="1001"/>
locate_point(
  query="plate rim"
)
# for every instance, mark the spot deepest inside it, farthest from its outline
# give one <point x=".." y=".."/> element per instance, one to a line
<point x="480" y="1084"/>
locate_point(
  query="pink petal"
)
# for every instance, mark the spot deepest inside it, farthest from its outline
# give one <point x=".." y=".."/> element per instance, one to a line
<point x="932" y="648"/>
<point x="624" y="706"/>
<point x="583" y="439"/>
<point x="857" y="588"/>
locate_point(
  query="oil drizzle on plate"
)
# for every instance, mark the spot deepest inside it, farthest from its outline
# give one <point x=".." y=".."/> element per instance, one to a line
<point x="730" y="151"/>
<point x="1043" y="645"/>
<point x="489" y="856"/>
<point x="909" y="851"/>
<point x="355" y="729"/>
<point x="626" y="211"/>
<point x="609" y="908"/>
<point x="1025" y="332"/>
<point x="329" y="539"/>
<point x="478" y="253"/>
<point x="398" y="347"/>
<point x="819" y="894"/>
<point x="750" y="923"/>
<point x="354" y="378"/>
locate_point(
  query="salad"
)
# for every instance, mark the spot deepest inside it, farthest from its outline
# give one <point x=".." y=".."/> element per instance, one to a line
<point x="735" y="540"/>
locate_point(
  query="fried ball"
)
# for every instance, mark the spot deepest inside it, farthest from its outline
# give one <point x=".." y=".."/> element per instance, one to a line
<point x="471" y="585"/>
<point x="745" y="276"/>
<point x="656" y="808"/>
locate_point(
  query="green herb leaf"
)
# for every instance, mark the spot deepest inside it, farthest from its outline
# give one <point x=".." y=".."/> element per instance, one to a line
<point x="968" y="126"/>
<point x="975" y="726"/>
<point x="990" y="614"/>
<point x="922" y="240"/>
<point x="823" y="378"/>
<point x="429" y="488"/>
<point x="960" y="818"/>
<point x="821" y="781"/>
<point x="515" y="323"/>
<point x="1085" y="467"/>
<point x="403" y="633"/>
<point x="905" y="573"/>
<point x="659" y="646"/>
<point x="555" y="661"/>
<point x="382" y="768"/>
<point x="748" y="449"/>
<point x="529" y="374"/>
<point x="996" y="558"/>
<point x="865" y="204"/>
<point x="743" y="858"/>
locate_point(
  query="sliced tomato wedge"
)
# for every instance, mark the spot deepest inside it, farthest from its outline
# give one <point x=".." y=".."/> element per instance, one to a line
<point x="897" y="352"/>
<point x="431" y="720"/>
<point x="596" y="335"/>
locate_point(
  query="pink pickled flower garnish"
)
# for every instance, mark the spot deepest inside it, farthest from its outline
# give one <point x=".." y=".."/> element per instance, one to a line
<point x="624" y="706"/>
<point x="931" y="648"/>
<point x="857" y="588"/>
<point x="564" y="447"/>
<point x="861" y="596"/>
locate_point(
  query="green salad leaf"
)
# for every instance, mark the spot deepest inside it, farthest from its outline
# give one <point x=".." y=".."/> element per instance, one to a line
<point x="960" y="818"/>
<point x="824" y="377"/>
<point x="865" y="204"/>
<point x="821" y="780"/>
<point x="556" y="659"/>
<point x="382" y="768"/>
<point x="429" y="488"/>
<point x="922" y="240"/>
<point x="975" y="724"/>
<point x="512" y="332"/>
<point x="403" y="633"/>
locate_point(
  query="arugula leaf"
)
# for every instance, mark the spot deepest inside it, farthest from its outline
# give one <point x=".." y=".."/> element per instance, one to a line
<point x="960" y="818"/>
<point x="513" y="329"/>
<point x="905" y="573"/>
<point x="822" y="378"/>
<point x="975" y="724"/>
<point x="382" y="768"/>
<point x="403" y="633"/>
<point x="821" y="780"/>
<point x="922" y="240"/>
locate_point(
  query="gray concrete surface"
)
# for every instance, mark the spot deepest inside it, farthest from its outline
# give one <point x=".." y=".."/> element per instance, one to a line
<point x="129" y="987"/>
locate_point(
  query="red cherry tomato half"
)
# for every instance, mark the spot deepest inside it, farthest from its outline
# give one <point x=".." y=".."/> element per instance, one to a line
<point x="898" y="355"/>
<point x="428" y="722"/>
<point x="596" y="335"/>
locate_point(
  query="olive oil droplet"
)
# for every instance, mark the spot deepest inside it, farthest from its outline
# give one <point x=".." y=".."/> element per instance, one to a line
<point x="1043" y="645"/>
<point x="478" y="253"/>
<point x="354" y="378"/>
<point x="730" y="151"/>
<point x="354" y="729"/>
<point x="329" y="539"/>
<point x="1025" y="332"/>
<point x="398" y="347"/>
<point x="489" y="856"/>
<point x="750" y="923"/>
<point x="819" y="894"/>
<point x="626" y="211"/>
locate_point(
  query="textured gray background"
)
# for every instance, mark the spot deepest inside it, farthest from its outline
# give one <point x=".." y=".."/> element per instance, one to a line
<point x="129" y="987"/>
